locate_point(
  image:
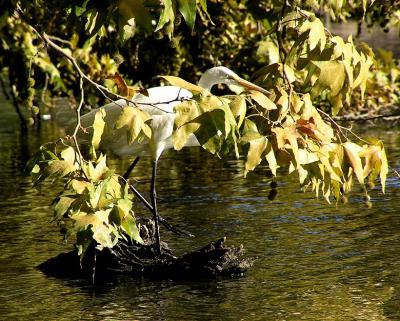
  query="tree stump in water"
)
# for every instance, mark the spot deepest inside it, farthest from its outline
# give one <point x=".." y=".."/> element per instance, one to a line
<point x="214" y="259"/>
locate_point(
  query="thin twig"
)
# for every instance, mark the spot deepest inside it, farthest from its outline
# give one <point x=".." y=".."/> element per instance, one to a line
<point x="78" y="120"/>
<point x="340" y="128"/>
<point x="284" y="55"/>
<point x="366" y="117"/>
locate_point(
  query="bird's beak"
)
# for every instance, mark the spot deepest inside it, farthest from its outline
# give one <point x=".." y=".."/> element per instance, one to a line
<point x="249" y="85"/>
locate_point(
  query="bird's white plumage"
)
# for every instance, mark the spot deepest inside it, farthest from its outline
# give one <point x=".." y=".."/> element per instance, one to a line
<point x="160" y="104"/>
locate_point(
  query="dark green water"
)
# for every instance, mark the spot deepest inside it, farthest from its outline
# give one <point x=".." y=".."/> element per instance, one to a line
<point x="315" y="261"/>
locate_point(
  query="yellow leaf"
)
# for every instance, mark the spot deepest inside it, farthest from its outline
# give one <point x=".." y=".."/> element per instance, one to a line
<point x="263" y="100"/>
<point x="352" y="151"/>
<point x="384" y="168"/>
<point x="98" y="127"/>
<point x="135" y="119"/>
<point x="256" y="149"/>
<point x="316" y="33"/>
<point x="179" y="82"/>
<point x="95" y="173"/>
<point x="332" y="75"/>
<point x="269" y="49"/>
<point x="79" y="186"/>
<point x="288" y="73"/>
<point x="69" y="155"/>
<point x="185" y="112"/>
<point x="271" y="159"/>
<point x="183" y="133"/>
<point x="238" y="108"/>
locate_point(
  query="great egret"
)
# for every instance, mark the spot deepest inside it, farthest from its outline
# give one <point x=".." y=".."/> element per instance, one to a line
<point x="160" y="104"/>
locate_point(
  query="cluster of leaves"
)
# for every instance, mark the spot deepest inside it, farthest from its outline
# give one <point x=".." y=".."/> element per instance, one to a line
<point x="85" y="29"/>
<point x="302" y="63"/>
<point x="102" y="35"/>
<point x="94" y="205"/>
<point x="287" y="133"/>
<point x="382" y="88"/>
<point x="316" y="62"/>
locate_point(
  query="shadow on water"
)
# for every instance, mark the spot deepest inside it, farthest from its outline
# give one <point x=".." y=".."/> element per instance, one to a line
<point x="315" y="261"/>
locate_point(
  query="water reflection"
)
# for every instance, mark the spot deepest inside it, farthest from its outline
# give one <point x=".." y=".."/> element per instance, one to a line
<point x="315" y="261"/>
<point x="374" y="37"/>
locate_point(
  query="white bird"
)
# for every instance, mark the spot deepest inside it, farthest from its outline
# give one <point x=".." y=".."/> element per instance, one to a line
<point x="160" y="104"/>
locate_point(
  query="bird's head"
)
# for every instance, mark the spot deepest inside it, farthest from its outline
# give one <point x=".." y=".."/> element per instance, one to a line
<point x="223" y="75"/>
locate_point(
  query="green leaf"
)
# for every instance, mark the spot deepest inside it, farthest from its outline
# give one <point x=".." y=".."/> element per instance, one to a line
<point x="210" y="129"/>
<point x="84" y="238"/>
<point x="188" y="10"/>
<point x="120" y="211"/>
<point x="59" y="168"/>
<point x="62" y="206"/>
<point x="136" y="9"/>
<point x="167" y="15"/>
<point x="130" y="227"/>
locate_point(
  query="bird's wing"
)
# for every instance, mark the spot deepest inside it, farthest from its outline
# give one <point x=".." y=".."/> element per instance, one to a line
<point x="161" y="100"/>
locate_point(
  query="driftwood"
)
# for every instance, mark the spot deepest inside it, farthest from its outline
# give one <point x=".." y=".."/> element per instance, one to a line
<point x="127" y="257"/>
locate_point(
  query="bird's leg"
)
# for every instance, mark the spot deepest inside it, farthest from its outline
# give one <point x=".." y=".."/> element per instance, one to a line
<point x="162" y="220"/>
<point x="130" y="168"/>
<point x="153" y="200"/>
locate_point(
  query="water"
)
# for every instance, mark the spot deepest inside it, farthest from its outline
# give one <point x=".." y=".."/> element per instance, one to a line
<point x="375" y="36"/>
<point x="315" y="261"/>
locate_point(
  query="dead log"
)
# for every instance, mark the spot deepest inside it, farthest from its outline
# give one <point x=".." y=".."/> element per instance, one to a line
<point x="141" y="260"/>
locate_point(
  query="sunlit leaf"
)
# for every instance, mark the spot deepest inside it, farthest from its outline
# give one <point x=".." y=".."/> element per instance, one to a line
<point x="130" y="227"/>
<point x="167" y="15"/>
<point x="271" y="159"/>
<point x="98" y="127"/>
<point x="332" y="75"/>
<point x="254" y="155"/>
<point x="384" y="168"/>
<point x="268" y="49"/>
<point x="263" y="100"/>
<point x="59" y="168"/>
<point x="238" y="107"/>
<point x="79" y="186"/>
<point x="136" y="121"/>
<point x="179" y="82"/>
<point x="352" y="151"/>
<point x="96" y="172"/>
<point x="316" y="33"/>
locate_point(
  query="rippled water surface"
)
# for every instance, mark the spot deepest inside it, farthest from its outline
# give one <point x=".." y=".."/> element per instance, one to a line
<point x="315" y="261"/>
